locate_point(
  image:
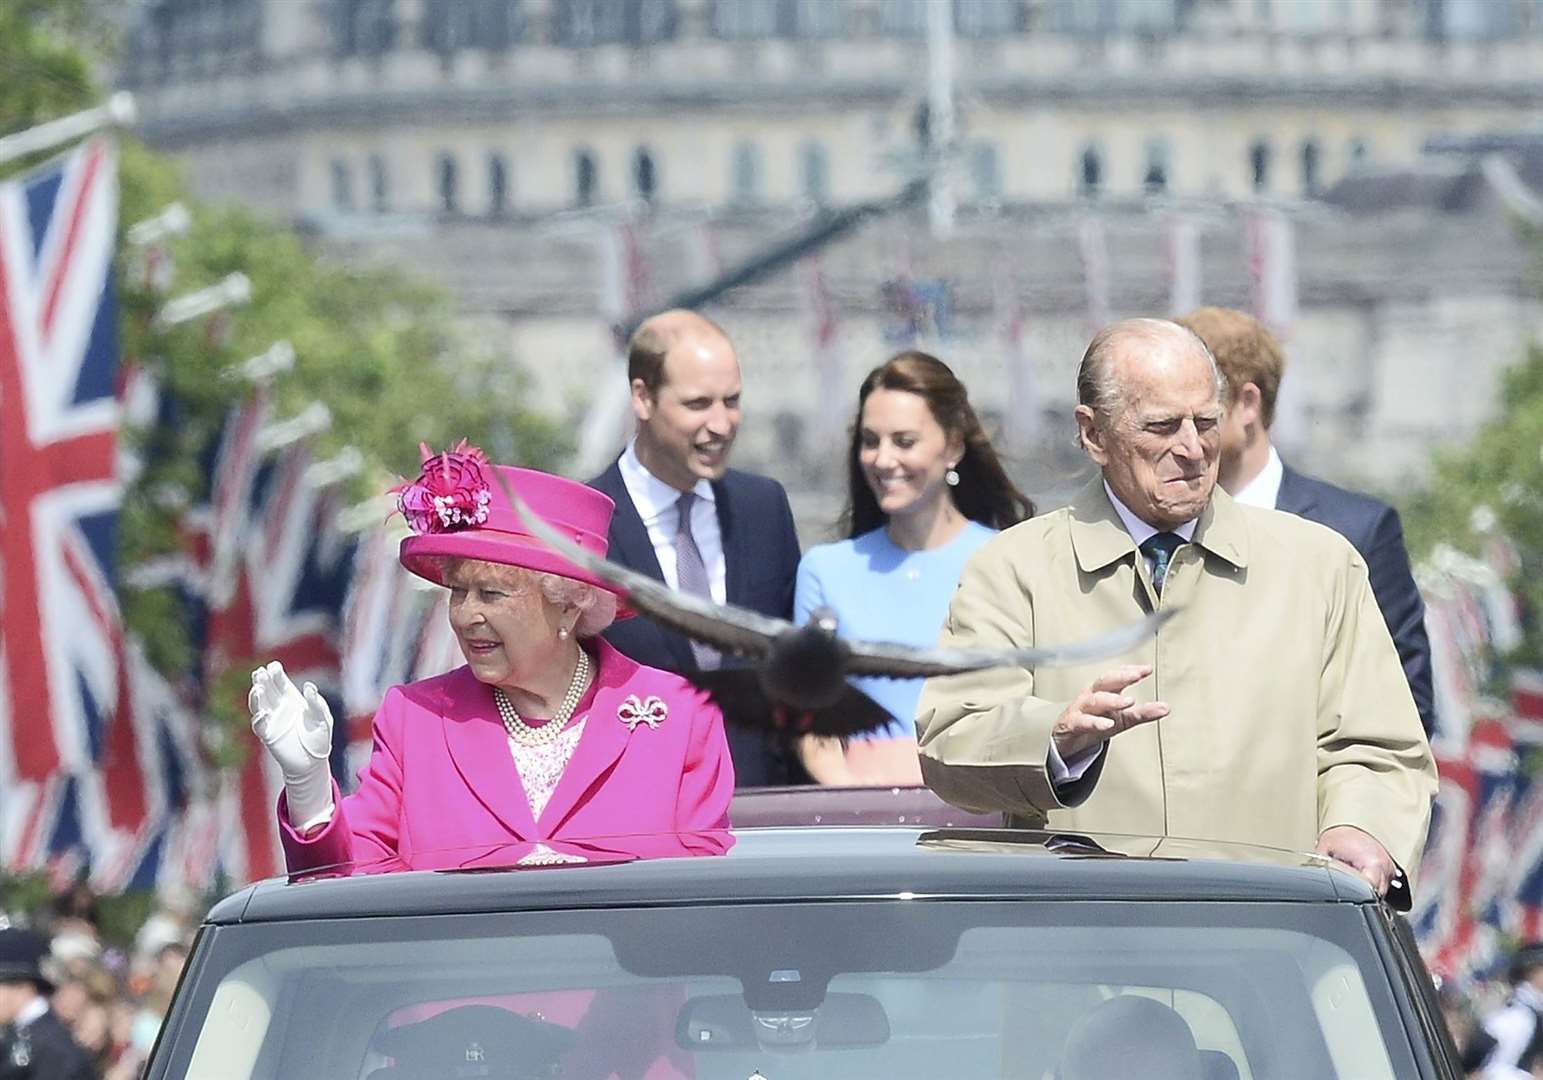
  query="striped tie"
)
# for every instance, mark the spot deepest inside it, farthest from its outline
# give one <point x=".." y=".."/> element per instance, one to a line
<point x="691" y="573"/>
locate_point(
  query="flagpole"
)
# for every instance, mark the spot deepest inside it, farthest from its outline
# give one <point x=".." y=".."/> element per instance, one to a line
<point x="118" y="111"/>
<point x="940" y="117"/>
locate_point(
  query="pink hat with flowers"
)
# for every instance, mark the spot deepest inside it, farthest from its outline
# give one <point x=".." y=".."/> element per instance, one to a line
<point x="456" y="510"/>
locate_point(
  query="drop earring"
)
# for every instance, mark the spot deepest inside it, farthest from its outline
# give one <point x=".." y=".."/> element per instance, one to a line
<point x="562" y="633"/>
<point x="951" y="477"/>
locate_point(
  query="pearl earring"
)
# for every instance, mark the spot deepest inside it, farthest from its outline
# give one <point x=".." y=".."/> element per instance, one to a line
<point x="562" y="633"/>
<point x="951" y="477"/>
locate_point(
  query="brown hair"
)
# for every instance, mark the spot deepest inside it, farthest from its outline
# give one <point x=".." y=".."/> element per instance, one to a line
<point x="1244" y="350"/>
<point x="652" y="341"/>
<point x="984" y="493"/>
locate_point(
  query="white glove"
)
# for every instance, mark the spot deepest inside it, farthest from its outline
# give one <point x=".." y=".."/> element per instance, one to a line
<point x="297" y="730"/>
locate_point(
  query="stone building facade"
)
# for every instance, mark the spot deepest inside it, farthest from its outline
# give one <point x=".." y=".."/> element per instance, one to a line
<point x="527" y="153"/>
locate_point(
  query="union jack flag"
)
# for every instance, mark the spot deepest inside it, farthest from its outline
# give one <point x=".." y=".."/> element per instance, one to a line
<point x="70" y="777"/>
<point x="277" y="575"/>
<point x="395" y="630"/>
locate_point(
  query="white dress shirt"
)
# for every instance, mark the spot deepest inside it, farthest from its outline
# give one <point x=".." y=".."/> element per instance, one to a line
<point x="1512" y="1029"/>
<point x="1062" y="772"/>
<point x="656" y="503"/>
<point x="1264" y="489"/>
<point x="30" y="1012"/>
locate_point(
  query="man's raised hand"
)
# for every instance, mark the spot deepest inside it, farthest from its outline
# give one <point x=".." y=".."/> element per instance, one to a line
<point x="1102" y="711"/>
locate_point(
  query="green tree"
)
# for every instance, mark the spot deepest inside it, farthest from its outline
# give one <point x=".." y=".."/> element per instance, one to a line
<point x="1495" y="483"/>
<point x="45" y="59"/>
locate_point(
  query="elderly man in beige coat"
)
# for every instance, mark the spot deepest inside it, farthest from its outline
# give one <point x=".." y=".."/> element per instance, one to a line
<point x="1271" y="709"/>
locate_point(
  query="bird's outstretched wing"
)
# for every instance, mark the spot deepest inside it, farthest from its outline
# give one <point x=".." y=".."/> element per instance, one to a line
<point x="727" y="628"/>
<point x="739" y="694"/>
<point x="903" y="661"/>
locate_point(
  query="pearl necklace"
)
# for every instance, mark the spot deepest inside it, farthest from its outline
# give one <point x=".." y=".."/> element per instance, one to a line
<point x="521" y="731"/>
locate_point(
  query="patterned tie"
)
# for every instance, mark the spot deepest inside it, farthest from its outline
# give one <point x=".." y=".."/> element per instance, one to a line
<point x="1159" y="547"/>
<point x="691" y="573"/>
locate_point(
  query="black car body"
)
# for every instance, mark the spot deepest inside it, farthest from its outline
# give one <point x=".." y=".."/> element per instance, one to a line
<point x="888" y="953"/>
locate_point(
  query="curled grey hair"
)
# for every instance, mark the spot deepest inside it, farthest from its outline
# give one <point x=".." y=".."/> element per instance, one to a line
<point x="1097" y="387"/>
<point x="596" y="606"/>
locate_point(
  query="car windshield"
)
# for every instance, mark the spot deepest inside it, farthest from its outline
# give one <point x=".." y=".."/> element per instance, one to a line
<point x="893" y="988"/>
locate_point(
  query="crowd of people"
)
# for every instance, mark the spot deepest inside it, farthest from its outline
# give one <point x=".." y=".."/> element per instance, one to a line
<point x="74" y="1006"/>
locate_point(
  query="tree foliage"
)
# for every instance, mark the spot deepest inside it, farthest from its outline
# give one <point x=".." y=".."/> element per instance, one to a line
<point x="45" y="59"/>
<point x="1493" y="486"/>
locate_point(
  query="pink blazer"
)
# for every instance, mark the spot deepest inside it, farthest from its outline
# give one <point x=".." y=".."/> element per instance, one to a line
<point x="440" y="780"/>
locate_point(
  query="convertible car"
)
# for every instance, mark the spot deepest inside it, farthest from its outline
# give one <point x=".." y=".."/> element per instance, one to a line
<point x="774" y="953"/>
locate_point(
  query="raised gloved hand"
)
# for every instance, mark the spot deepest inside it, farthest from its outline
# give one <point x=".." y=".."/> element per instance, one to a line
<point x="297" y="730"/>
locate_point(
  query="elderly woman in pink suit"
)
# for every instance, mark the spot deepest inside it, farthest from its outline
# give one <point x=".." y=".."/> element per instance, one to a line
<point x="546" y="737"/>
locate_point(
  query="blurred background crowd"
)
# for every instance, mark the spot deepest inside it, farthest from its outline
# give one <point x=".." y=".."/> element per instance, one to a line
<point x="111" y="978"/>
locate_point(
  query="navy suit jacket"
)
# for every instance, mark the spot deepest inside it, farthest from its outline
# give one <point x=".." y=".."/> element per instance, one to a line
<point x="760" y="557"/>
<point x="1373" y="528"/>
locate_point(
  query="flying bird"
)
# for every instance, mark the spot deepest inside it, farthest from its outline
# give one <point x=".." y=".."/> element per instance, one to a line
<point x="797" y="674"/>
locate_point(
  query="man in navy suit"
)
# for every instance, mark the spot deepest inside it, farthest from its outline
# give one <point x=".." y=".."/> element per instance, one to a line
<point x="685" y="518"/>
<point x="1252" y="472"/>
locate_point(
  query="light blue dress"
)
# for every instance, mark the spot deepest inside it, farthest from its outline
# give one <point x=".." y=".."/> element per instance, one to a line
<point x="881" y="592"/>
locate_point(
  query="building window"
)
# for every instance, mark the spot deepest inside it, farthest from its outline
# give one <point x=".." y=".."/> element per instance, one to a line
<point x="363" y="27"/>
<point x="1360" y="153"/>
<point x="342" y="185"/>
<point x="448" y="25"/>
<point x="1154" y="181"/>
<point x="645" y="179"/>
<point x="207" y="38"/>
<point x="985" y="172"/>
<point x="987" y="18"/>
<point x="1100" y="17"/>
<point x="1470" y="20"/>
<point x="746" y="184"/>
<point x="610" y="22"/>
<point x="1091" y="172"/>
<point x="380" y="191"/>
<point x="1259" y="165"/>
<point x="746" y="18"/>
<point x="907" y="18"/>
<point x="1312" y="173"/>
<point x="821" y="18"/>
<point x="498" y="185"/>
<point x="816" y="172"/>
<point x="449" y="182"/>
<point x="1312" y="16"/>
<point x="586" y="178"/>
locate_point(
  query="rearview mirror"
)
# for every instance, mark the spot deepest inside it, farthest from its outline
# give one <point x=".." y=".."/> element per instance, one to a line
<point x="725" y="1022"/>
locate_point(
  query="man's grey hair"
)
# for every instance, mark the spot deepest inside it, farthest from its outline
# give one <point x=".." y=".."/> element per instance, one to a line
<point x="1097" y="386"/>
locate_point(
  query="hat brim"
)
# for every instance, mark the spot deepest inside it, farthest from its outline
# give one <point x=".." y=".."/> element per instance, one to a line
<point x="421" y="554"/>
<point x="27" y="973"/>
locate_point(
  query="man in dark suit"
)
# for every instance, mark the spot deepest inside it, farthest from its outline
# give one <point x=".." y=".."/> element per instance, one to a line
<point x="685" y="518"/>
<point x="34" y="1043"/>
<point x="1252" y="472"/>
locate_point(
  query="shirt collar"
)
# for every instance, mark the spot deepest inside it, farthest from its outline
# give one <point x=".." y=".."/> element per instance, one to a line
<point x="1139" y="530"/>
<point x="31" y="1011"/>
<point x="650" y="495"/>
<point x="1103" y="531"/>
<point x="1264" y="489"/>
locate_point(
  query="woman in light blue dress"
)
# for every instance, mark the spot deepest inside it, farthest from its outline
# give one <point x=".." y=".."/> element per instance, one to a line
<point x="925" y="488"/>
